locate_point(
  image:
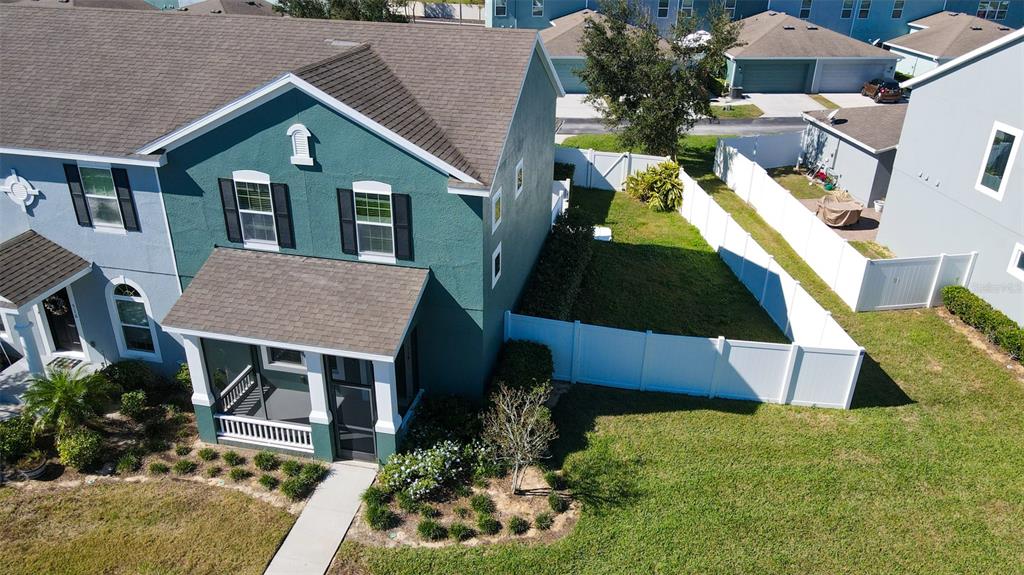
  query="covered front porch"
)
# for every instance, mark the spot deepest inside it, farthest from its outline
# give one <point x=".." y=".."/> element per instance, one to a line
<point x="327" y="368"/>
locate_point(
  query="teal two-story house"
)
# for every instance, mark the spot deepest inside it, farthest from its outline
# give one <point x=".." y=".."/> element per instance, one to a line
<point x="350" y="206"/>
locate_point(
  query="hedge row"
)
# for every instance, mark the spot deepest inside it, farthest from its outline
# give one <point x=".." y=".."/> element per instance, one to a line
<point x="977" y="313"/>
<point x="524" y="364"/>
<point x="555" y="283"/>
<point x="564" y="171"/>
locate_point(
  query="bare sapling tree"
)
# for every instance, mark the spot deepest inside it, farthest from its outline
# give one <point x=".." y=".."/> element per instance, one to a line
<point x="519" y="426"/>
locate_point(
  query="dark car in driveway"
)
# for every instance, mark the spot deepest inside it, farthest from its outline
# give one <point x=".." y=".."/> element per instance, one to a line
<point x="882" y="90"/>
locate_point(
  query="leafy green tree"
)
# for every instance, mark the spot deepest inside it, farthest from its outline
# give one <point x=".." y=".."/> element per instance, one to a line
<point x="368" y="10"/>
<point x="64" y="399"/>
<point x="653" y="90"/>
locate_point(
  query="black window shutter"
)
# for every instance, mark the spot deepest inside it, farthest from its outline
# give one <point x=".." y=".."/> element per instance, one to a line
<point x="231" y="221"/>
<point x="283" y="215"/>
<point x="129" y="215"/>
<point x="401" y="210"/>
<point x="347" y="211"/>
<point x="77" y="194"/>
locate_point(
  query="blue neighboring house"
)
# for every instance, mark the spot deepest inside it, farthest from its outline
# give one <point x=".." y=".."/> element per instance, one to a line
<point x="323" y="232"/>
<point x="865" y="20"/>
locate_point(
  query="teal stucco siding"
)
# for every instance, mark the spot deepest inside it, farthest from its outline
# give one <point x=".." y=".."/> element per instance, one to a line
<point x="566" y="68"/>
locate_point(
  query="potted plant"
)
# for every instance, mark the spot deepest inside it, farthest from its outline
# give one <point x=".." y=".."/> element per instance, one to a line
<point x="32" y="465"/>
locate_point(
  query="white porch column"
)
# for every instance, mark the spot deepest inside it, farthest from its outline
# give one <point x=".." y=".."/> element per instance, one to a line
<point x="201" y="393"/>
<point x="27" y="338"/>
<point x="385" y="390"/>
<point x="319" y="410"/>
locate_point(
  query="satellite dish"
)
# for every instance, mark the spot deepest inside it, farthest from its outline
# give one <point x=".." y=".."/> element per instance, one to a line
<point x="832" y="117"/>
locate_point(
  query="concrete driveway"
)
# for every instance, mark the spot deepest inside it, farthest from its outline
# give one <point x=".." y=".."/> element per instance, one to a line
<point x="777" y="105"/>
<point x="854" y="100"/>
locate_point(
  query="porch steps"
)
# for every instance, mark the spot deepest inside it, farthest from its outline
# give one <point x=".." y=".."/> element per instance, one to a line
<point x="314" y="539"/>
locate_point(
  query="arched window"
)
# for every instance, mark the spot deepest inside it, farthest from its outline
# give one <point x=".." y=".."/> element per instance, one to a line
<point x="300" y="145"/>
<point x="134" y="327"/>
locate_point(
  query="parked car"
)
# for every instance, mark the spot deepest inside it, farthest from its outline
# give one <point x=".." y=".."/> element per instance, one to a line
<point x="881" y="90"/>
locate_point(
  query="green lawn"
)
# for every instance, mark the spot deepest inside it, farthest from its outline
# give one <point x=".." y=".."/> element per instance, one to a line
<point x="741" y="111"/>
<point x="829" y="104"/>
<point x="161" y="526"/>
<point x="797" y="183"/>
<point x="922" y="476"/>
<point x="872" y="250"/>
<point x="659" y="274"/>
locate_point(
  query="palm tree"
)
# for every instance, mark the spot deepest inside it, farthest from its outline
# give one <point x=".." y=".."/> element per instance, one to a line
<point x="63" y="399"/>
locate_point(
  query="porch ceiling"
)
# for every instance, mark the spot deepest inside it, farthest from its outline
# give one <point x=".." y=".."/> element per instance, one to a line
<point x="300" y="301"/>
<point x="31" y="266"/>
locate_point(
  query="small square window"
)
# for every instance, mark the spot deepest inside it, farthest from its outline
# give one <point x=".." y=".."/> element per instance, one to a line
<point x="519" y="178"/>
<point x="496" y="266"/>
<point x="500" y="7"/>
<point x="1016" y="267"/>
<point x="496" y="211"/>
<point x="1003" y="145"/>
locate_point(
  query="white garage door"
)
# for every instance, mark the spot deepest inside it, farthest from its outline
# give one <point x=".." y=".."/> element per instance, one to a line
<point x="845" y="76"/>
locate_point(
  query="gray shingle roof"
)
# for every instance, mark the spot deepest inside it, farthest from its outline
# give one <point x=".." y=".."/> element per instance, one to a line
<point x="331" y="304"/>
<point x="562" y="39"/>
<point x="950" y="34"/>
<point x="765" y="35"/>
<point x="30" y="265"/>
<point x="876" y="126"/>
<point x="125" y="78"/>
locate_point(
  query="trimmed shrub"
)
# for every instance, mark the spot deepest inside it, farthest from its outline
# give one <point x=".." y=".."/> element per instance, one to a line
<point x="462" y="490"/>
<point x="407" y="503"/>
<point x="658" y="186"/>
<point x="183" y="380"/>
<point x="379" y="517"/>
<point x="291" y="468"/>
<point x="524" y="364"/>
<point x="313" y="472"/>
<point x="182" y="450"/>
<point x="184" y="467"/>
<point x="266" y="461"/>
<point x="239" y="474"/>
<point x="268" y="481"/>
<point x="555" y="480"/>
<point x="978" y="313"/>
<point x="15" y="437"/>
<point x="460" y="531"/>
<point x="429" y="512"/>
<point x="441" y="418"/>
<point x="555" y="282"/>
<point x="296" y="488"/>
<point x="80" y="448"/>
<point x="424" y="472"/>
<point x="431" y="530"/>
<point x="233" y="459"/>
<point x="564" y="171"/>
<point x="159" y="468"/>
<point x="131" y="375"/>
<point x="482" y="504"/>
<point x="214" y="471"/>
<point x="488" y="525"/>
<point x="207" y="454"/>
<point x="544" y="521"/>
<point x="133" y="404"/>
<point x="558" y="503"/>
<point x="517" y="525"/>
<point x="462" y="512"/>
<point x="375" y="496"/>
<point x="128" y="463"/>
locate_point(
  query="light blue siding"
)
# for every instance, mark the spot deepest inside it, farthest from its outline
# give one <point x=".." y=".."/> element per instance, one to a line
<point x="566" y="67"/>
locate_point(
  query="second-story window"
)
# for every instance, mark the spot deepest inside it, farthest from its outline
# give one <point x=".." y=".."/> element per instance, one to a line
<point x="686" y="7"/>
<point x="500" y="7"/>
<point x="805" y="9"/>
<point x="376" y="224"/>
<point x="520" y="178"/>
<point x="1003" y="144"/>
<point x="256" y="212"/>
<point x="897" y="8"/>
<point x="993" y="9"/>
<point x="847" y="10"/>
<point x="496" y="211"/>
<point x="865" y="9"/>
<point x="101" y="196"/>
<point x="538" y="7"/>
<point x="662" y="8"/>
<point x="730" y="8"/>
<point x="374" y="230"/>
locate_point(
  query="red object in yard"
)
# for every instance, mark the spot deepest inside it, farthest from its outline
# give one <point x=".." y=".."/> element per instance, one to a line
<point x="821" y="175"/>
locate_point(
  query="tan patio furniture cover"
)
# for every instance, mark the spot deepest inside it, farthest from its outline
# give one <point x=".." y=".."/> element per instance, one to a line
<point x="838" y="213"/>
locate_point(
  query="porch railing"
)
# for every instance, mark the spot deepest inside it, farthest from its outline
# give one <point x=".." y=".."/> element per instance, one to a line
<point x="267" y="433"/>
<point x="237" y="389"/>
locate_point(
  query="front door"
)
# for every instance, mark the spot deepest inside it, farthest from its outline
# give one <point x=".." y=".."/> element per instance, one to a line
<point x="354" y="412"/>
<point x="61" y="320"/>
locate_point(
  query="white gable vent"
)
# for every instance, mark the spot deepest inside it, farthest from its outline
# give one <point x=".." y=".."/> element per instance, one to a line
<point x="300" y="145"/>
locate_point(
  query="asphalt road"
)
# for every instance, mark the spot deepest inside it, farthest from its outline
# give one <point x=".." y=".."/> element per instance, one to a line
<point x="742" y="127"/>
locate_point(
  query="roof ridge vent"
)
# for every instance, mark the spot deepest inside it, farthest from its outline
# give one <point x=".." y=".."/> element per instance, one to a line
<point x="1004" y="28"/>
<point x="975" y="27"/>
<point x="811" y="27"/>
<point x="788" y="27"/>
<point x="341" y="43"/>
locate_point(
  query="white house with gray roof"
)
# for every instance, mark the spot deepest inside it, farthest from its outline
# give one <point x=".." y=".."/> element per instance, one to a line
<point x="939" y="38"/>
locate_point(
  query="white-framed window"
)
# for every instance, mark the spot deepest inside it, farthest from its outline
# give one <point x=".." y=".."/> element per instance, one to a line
<point x="865" y="9"/>
<point x="897" y="9"/>
<point x="730" y="8"/>
<point x="496" y="265"/>
<point x="1016" y="267"/>
<point x="538" y="8"/>
<point x="299" y="136"/>
<point x="993" y="9"/>
<point x="496" y="211"/>
<point x="134" y="327"/>
<point x="500" y="7"/>
<point x="520" y="178"/>
<point x="375" y="229"/>
<point x="996" y="165"/>
<point x="101" y="195"/>
<point x="847" y="11"/>
<point x="805" y="9"/>
<point x="255" y="209"/>
<point x="662" y="8"/>
<point x="686" y="7"/>
<point x="282" y="359"/>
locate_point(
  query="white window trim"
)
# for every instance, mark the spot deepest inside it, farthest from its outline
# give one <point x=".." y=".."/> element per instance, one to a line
<point x="115" y="321"/>
<point x="101" y="226"/>
<point x="1012" y="269"/>
<point x="496" y="276"/>
<point x="515" y="181"/>
<point x="657" y="9"/>
<point x="254" y="177"/>
<point x="902" y="9"/>
<point x="1018" y="135"/>
<point x="533" y="8"/>
<point x="280" y="365"/>
<point x="501" y="216"/>
<point x="374" y="187"/>
<point x="299" y="131"/>
<point x="688" y="10"/>
<point x="49" y="346"/>
<point x="504" y="9"/>
<point x="810" y="6"/>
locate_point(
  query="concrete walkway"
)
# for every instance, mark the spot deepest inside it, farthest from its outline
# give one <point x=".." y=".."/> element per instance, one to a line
<point x="311" y="544"/>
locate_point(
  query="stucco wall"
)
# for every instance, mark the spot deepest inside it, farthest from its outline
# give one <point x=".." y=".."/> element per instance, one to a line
<point x="144" y="257"/>
<point x="566" y="67"/>
<point x="940" y="210"/>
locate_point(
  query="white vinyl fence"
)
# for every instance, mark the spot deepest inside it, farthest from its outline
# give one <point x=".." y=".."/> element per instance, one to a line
<point x="864" y="284"/>
<point x="559" y="198"/>
<point x="604" y="170"/>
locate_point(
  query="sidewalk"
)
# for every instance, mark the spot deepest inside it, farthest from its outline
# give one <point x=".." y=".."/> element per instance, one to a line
<point x="313" y="540"/>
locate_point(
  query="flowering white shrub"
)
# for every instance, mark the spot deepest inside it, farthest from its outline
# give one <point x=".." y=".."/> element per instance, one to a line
<point x="424" y="472"/>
